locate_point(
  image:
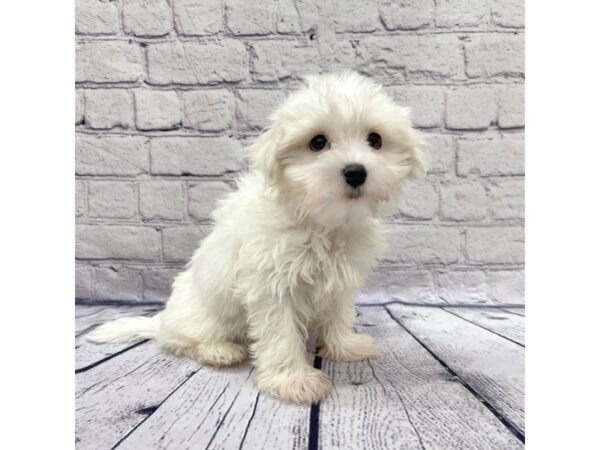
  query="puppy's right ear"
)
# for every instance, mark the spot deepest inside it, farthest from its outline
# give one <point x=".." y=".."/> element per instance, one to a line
<point x="263" y="154"/>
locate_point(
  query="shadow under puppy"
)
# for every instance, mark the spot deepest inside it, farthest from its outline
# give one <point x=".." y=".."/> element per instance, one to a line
<point x="291" y="247"/>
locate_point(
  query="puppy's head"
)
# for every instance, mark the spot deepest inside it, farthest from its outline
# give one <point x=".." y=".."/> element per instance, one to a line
<point x="339" y="149"/>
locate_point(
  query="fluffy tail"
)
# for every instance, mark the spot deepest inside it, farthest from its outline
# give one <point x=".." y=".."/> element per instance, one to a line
<point x="126" y="329"/>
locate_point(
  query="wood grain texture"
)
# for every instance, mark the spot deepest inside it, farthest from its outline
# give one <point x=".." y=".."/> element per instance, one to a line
<point x="144" y="398"/>
<point x="86" y="310"/>
<point x="403" y="399"/>
<point x="222" y="409"/>
<point x="518" y="311"/>
<point x="506" y="324"/>
<point x="88" y="353"/>
<point x="193" y="415"/>
<point x="116" y="396"/>
<point x="491" y="365"/>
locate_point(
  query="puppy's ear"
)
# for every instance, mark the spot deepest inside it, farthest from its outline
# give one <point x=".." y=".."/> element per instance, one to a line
<point x="418" y="167"/>
<point x="263" y="154"/>
<point x="411" y="140"/>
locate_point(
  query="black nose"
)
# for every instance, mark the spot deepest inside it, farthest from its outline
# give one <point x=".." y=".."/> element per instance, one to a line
<point x="355" y="174"/>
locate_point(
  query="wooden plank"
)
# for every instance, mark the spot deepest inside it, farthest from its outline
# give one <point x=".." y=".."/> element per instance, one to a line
<point x="192" y="416"/>
<point x="491" y="365"/>
<point x="403" y="399"/>
<point x="508" y="325"/>
<point x="202" y="411"/>
<point x="517" y="311"/>
<point x="271" y="424"/>
<point x="88" y="353"/>
<point x="116" y="396"/>
<point x="86" y="310"/>
<point x="222" y="409"/>
<point x="89" y="317"/>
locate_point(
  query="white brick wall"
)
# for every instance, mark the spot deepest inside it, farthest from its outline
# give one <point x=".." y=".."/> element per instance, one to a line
<point x="169" y="92"/>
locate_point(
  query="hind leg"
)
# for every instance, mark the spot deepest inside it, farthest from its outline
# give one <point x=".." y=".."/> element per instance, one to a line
<point x="210" y="341"/>
<point x="217" y="354"/>
<point x="201" y="335"/>
<point x="203" y="322"/>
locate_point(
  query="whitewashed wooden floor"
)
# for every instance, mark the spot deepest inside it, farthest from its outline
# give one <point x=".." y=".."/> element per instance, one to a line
<point x="449" y="378"/>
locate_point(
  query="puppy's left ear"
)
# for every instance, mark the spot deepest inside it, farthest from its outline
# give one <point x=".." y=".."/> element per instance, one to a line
<point x="263" y="154"/>
<point x="411" y="140"/>
<point x="418" y="167"/>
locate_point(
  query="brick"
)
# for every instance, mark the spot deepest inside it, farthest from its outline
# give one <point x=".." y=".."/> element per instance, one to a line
<point x="495" y="245"/>
<point x="309" y="15"/>
<point x="420" y="201"/>
<point x="423" y="244"/>
<point x="195" y="155"/>
<point x="288" y="17"/>
<point x="198" y="17"/>
<point x="461" y="13"/>
<point x="426" y="104"/>
<point x="437" y="57"/>
<point x="157" y="283"/>
<point x="508" y="13"/>
<point x="96" y="17"/>
<point x="470" y="108"/>
<point x="406" y="14"/>
<point x="80" y="198"/>
<point x="491" y="156"/>
<point x="352" y="15"/>
<point x="256" y="105"/>
<point x="506" y="286"/>
<point x="335" y="54"/>
<point x="179" y="243"/>
<point x="275" y="60"/>
<point x="204" y="197"/>
<point x="463" y="200"/>
<point x="79" y="106"/>
<point x="147" y="17"/>
<point x="511" y="106"/>
<point x="114" y="199"/>
<point x="506" y="199"/>
<point x="108" y="108"/>
<point x="492" y="55"/>
<point x="387" y="284"/>
<point x="117" y="283"/>
<point x="208" y="110"/>
<point x="439" y="152"/>
<point x="196" y="62"/>
<point x="109" y="61"/>
<point x="157" y="110"/>
<point x="463" y="286"/>
<point x="245" y="17"/>
<point x="83" y="283"/>
<point x="117" y="242"/>
<point x="162" y="200"/>
<point x="111" y="155"/>
<point x="339" y="56"/>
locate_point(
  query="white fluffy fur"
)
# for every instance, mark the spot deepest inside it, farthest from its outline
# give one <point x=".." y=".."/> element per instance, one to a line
<point x="290" y="247"/>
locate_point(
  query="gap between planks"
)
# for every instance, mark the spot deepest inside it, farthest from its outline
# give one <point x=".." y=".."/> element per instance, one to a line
<point x="501" y="392"/>
<point x="313" y="435"/>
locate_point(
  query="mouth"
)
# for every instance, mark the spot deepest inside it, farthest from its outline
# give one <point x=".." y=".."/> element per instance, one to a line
<point x="353" y="193"/>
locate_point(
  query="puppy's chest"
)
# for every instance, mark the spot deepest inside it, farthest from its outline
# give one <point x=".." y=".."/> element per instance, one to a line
<point x="333" y="265"/>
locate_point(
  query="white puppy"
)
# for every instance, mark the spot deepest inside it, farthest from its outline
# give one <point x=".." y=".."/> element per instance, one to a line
<point x="291" y="247"/>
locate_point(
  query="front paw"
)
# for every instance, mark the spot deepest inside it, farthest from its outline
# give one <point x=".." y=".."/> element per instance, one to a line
<point x="307" y="386"/>
<point x="355" y="347"/>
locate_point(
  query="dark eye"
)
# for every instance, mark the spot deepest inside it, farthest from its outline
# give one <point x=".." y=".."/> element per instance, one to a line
<point x="318" y="143"/>
<point x="374" y="141"/>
